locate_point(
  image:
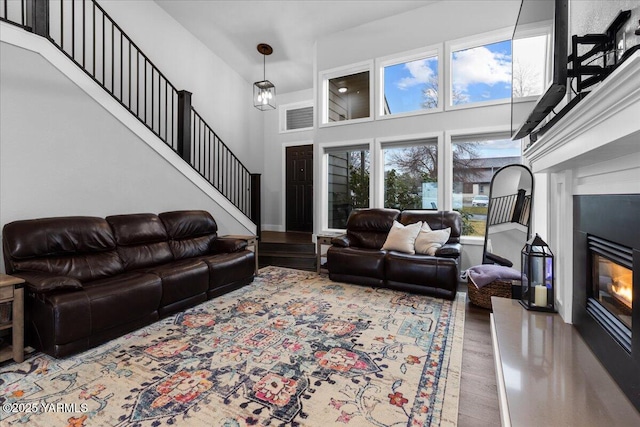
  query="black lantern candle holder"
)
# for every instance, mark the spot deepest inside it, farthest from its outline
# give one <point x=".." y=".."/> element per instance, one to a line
<point x="538" y="281"/>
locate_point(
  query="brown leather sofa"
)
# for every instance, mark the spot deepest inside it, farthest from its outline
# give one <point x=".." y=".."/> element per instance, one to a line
<point x="90" y="279"/>
<point x="357" y="257"/>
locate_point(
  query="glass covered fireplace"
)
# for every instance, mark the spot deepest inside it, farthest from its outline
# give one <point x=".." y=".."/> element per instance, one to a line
<point x="606" y="277"/>
<point x="610" y="297"/>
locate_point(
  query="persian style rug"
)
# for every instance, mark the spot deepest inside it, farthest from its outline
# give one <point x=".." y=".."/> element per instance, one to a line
<point x="291" y="349"/>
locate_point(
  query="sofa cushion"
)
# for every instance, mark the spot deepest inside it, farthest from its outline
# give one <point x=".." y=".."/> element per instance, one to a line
<point x="123" y="298"/>
<point x="181" y="280"/>
<point x="429" y="274"/>
<point x="436" y="220"/>
<point x="402" y="238"/>
<point x="229" y="268"/>
<point x="191" y="233"/>
<point x="82" y="267"/>
<point x="142" y="240"/>
<point x="428" y="242"/>
<point x="368" y="228"/>
<point x="79" y="247"/>
<point x="356" y="262"/>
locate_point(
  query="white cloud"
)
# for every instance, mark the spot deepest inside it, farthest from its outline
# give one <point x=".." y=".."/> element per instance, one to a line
<point x="480" y="65"/>
<point x="420" y="73"/>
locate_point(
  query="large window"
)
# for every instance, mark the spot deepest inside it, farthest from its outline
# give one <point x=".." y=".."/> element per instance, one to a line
<point x="410" y="83"/>
<point x="481" y="73"/>
<point x="475" y="160"/>
<point x="348" y="171"/>
<point x="411" y="176"/>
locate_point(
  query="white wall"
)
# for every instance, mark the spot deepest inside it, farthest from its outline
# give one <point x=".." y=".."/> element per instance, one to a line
<point x="62" y="154"/>
<point x="220" y="95"/>
<point x="273" y="194"/>
<point x="433" y="24"/>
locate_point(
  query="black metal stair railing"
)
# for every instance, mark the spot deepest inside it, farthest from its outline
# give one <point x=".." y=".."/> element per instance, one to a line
<point x="87" y="35"/>
<point x="510" y="208"/>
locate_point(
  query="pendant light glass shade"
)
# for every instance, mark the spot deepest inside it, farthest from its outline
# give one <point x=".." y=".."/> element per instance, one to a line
<point x="264" y="92"/>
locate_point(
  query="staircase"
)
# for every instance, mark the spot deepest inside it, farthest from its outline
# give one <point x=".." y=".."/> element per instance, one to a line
<point x="291" y="250"/>
<point x="86" y="34"/>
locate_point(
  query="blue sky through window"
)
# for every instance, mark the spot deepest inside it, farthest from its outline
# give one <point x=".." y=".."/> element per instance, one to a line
<point x="405" y="84"/>
<point x="481" y="73"/>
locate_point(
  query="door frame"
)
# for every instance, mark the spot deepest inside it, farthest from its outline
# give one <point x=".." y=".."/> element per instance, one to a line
<point x="283" y="188"/>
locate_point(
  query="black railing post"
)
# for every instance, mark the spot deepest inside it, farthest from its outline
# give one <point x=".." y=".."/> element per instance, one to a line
<point x="255" y="202"/>
<point x="517" y="210"/>
<point x="184" y="125"/>
<point x="39" y="17"/>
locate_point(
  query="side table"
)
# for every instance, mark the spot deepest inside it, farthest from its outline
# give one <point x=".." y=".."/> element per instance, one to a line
<point x="252" y="241"/>
<point x="323" y="240"/>
<point x="12" y="293"/>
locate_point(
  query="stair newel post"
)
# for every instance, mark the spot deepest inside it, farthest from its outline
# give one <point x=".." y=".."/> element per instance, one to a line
<point x="38" y="11"/>
<point x="255" y="202"/>
<point x="184" y="125"/>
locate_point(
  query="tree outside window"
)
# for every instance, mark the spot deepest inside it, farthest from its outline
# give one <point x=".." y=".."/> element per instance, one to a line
<point x="475" y="162"/>
<point x="411" y="177"/>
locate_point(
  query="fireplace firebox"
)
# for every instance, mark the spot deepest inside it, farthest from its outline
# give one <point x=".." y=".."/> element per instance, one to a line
<point x="606" y="280"/>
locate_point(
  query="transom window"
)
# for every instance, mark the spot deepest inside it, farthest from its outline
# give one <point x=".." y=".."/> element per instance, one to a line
<point x="530" y="65"/>
<point x="481" y="73"/>
<point x="297" y="116"/>
<point x="410" y="83"/>
<point x="346" y="94"/>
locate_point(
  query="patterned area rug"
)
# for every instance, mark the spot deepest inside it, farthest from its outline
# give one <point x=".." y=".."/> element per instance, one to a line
<point x="293" y="348"/>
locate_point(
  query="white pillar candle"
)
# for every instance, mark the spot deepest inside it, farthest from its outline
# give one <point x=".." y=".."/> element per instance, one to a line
<point x="541" y="296"/>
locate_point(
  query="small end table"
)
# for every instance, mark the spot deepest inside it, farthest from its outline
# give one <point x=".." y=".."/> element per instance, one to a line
<point x="12" y="292"/>
<point x="323" y="240"/>
<point x="252" y="241"/>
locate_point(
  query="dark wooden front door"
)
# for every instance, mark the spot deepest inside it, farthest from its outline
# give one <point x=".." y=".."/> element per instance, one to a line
<point x="299" y="187"/>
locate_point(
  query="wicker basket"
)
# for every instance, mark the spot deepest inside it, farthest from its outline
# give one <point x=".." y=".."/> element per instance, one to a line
<point x="482" y="297"/>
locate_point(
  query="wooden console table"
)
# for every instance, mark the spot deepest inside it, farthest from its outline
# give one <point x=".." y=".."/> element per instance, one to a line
<point x="548" y="376"/>
<point x="323" y="240"/>
<point x="12" y="292"/>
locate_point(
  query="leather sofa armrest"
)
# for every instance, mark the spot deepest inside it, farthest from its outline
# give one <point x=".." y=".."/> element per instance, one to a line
<point x="449" y="250"/>
<point x="227" y="245"/>
<point x="343" y="241"/>
<point x="40" y="283"/>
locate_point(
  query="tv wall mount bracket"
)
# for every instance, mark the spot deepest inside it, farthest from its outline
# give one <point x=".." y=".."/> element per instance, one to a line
<point x="602" y="46"/>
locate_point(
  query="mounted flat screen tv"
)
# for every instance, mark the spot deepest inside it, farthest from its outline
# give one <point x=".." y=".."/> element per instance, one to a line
<point x="539" y="45"/>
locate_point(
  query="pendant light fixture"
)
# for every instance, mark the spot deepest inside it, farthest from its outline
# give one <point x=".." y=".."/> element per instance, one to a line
<point x="264" y="92"/>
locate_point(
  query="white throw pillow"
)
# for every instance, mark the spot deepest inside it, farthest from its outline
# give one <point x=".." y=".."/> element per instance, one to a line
<point x="402" y="238"/>
<point x="428" y="242"/>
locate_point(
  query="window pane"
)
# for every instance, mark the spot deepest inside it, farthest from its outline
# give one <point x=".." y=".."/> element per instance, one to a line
<point x="529" y="65"/>
<point x="348" y="185"/>
<point x="411" y="177"/>
<point x="474" y="163"/>
<point x="348" y="97"/>
<point x="481" y="73"/>
<point x="411" y="86"/>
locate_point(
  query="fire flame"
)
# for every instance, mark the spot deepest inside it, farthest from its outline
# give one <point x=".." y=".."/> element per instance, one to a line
<point x="621" y="286"/>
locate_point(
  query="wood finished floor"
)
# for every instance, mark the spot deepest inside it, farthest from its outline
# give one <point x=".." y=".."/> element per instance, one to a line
<point x="478" y="404"/>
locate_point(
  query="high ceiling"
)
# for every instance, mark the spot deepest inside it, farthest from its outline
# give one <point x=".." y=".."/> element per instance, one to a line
<point x="232" y="29"/>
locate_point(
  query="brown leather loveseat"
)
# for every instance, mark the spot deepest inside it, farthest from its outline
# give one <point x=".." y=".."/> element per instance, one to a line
<point x="91" y="279"/>
<point x="357" y="257"/>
